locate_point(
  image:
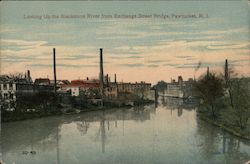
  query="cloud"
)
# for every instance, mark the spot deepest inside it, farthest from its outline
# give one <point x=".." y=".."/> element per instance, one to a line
<point x="230" y="31"/>
<point x="229" y="46"/>
<point x="152" y="65"/>
<point x="156" y="61"/>
<point x="171" y="65"/>
<point x="16" y="58"/>
<point x="5" y="29"/>
<point x="77" y="57"/>
<point x="22" y="43"/>
<point x="61" y="65"/>
<point x="210" y="64"/>
<point x="132" y="65"/>
<point x="126" y="57"/>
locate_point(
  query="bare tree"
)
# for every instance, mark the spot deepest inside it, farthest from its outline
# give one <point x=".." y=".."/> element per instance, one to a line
<point x="210" y="89"/>
<point x="16" y="75"/>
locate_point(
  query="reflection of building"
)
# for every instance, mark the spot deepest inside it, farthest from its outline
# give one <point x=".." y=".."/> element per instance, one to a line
<point x="50" y="137"/>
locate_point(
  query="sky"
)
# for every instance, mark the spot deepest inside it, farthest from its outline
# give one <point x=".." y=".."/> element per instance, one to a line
<point x="139" y="49"/>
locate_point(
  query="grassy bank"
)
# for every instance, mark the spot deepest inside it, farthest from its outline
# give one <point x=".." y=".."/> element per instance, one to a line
<point x="225" y="122"/>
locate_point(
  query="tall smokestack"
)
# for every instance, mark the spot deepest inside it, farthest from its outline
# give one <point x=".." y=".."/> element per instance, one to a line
<point x="226" y="70"/>
<point x="115" y="78"/>
<point x="107" y="80"/>
<point x="28" y="74"/>
<point x="207" y="72"/>
<point x="54" y="59"/>
<point x="101" y="73"/>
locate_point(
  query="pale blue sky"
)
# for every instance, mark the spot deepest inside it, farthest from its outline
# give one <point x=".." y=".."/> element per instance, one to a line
<point x="134" y="49"/>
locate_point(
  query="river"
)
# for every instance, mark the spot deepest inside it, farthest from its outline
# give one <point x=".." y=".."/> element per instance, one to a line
<point x="169" y="133"/>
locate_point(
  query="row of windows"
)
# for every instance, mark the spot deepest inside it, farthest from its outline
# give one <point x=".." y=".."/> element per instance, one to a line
<point x="5" y="87"/>
<point x="7" y="96"/>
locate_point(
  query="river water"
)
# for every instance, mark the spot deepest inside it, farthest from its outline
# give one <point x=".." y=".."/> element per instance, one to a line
<point x="169" y="133"/>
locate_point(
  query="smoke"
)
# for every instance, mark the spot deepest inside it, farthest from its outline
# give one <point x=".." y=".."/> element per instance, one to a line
<point x="198" y="66"/>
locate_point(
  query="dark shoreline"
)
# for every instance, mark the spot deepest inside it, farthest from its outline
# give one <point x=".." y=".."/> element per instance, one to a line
<point x="13" y="117"/>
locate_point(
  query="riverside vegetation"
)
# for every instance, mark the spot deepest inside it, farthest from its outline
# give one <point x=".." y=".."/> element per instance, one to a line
<point x="225" y="102"/>
<point x="44" y="104"/>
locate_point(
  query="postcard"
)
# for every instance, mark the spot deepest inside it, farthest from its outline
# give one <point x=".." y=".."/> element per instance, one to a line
<point x="125" y="82"/>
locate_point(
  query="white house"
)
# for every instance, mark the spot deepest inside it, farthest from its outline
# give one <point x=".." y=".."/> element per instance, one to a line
<point x="8" y="91"/>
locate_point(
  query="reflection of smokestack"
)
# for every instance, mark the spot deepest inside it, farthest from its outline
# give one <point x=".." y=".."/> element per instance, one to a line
<point x="115" y="78"/>
<point x="54" y="59"/>
<point x="226" y="70"/>
<point x="101" y="73"/>
<point x="103" y="133"/>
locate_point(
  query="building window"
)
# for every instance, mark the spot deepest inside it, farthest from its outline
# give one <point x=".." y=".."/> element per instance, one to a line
<point x="11" y="96"/>
<point x="11" y="86"/>
<point x="4" y="86"/>
<point x="5" y="95"/>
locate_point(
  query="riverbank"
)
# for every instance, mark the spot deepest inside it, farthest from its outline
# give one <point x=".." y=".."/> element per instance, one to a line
<point x="19" y="116"/>
<point x="224" y="124"/>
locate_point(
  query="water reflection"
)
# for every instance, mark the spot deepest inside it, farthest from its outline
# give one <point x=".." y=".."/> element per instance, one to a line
<point x="143" y="134"/>
<point x="172" y="104"/>
<point x="218" y="146"/>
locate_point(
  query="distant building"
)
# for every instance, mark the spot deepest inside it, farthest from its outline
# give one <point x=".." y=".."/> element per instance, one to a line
<point x="43" y="85"/>
<point x="111" y="92"/>
<point x="10" y="86"/>
<point x="128" y="90"/>
<point x="42" y="81"/>
<point x="13" y="87"/>
<point x="8" y="91"/>
<point x="180" y="89"/>
<point x="59" y="82"/>
<point x="76" y="86"/>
